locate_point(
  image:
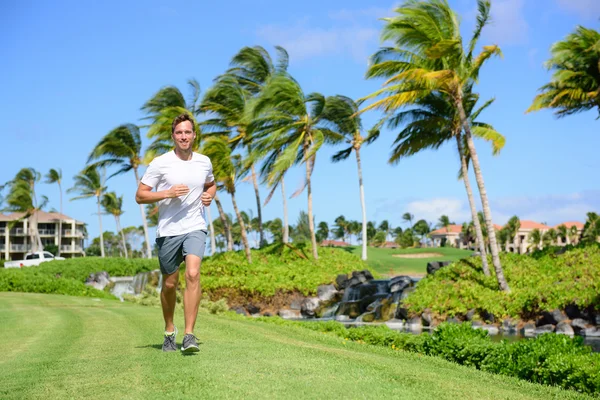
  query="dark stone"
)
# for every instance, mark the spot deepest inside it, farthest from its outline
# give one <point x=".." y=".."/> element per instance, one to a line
<point x="578" y="324"/>
<point x="363" y="276"/>
<point x="564" y="328"/>
<point x="267" y="314"/>
<point x="399" y="283"/>
<point x="476" y="324"/>
<point x="401" y="313"/>
<point x="341" y="281"/>
<point x="252" y="309"/>
<point x="552" y="317"/>
<point x="590" y="332"/>
<point x="544" y="329"/>
<point x="239" y="310"/>
<point x="527" y="329"/>
<point x="433" y="266"/>
<point x="470" y="315"/>
<point x="415" y="323"/>
<point x="354" y="281"/>
<point x="296" y="304"/>
<point x="309" y="306"/>
<point x="453" y="320"/>
<point x="368" y="317"/>
<point x="488" y="317"/>
<point x="508" y="325"/>
<point x="350" y="309"/>
<point x="572" y="311"/>
<point x="326" y="292"/>
<point x="426" y="318"/>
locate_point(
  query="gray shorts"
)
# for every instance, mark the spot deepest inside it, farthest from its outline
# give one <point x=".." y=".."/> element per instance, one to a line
<point x="173" y="249"/>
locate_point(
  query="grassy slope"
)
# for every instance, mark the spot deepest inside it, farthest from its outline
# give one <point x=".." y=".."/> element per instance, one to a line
<point x="57" y="346"/>
<point x="382" y="261"/>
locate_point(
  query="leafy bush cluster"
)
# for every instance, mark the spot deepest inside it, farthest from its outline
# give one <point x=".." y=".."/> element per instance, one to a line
<point x="14" y="280"/>
<point x="537" y="284"/>
<point x="550" y="359"/>
<point x="151" y="297"/>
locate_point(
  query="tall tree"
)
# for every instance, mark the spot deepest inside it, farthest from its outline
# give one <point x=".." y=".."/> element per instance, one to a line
<point x="576" y="79"/>
<point x="55" y="176"/>
<point x="408" y="217"/>
<point x="444" y="222"/>
<point x="22" y="198"/>
<point x="342" y="113"/>
<point x="123" y="147"/>
<point x="562" y="232"/>
<point x="322" y="231"/>
<point x="290" y="120"/>
<point x="113" y="205"/>
<point x="227" y="169"/>
<point x="591" y="229"/>
<point x="90" y="183"/>
<point x="512" y="227"/>
<point x="535" y="238"/>
<point x="429" y="57"/>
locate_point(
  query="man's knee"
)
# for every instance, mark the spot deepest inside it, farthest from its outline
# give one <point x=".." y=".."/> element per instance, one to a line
<point x="192" y="275"/>
<point x="169" y="284"/>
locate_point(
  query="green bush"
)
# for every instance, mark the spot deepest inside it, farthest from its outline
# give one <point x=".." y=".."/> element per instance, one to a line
<point x="14" y="280"/>
<point x="537" y="285"/>
<point x="550" y="359"/>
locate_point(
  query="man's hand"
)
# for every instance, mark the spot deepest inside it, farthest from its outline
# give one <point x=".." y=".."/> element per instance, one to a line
<point x="206" y="198"/>
<point x="177" y="190"/>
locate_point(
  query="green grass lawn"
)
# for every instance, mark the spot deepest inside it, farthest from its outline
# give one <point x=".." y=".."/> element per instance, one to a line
<point x="57" y="346"/>
<point x="383" y="261"/>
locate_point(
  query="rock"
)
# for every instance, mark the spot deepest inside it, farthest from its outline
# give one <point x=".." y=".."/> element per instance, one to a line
<point x="552" y="317"/>
<point x="578" y="324"/>
<point x="527" y="329"/>
<point x="476" y="324"/>
<point x="363" y="276"/>
<point x="309" y="306"/>
<point x="350" y="309"/>
<point x="491" y="329"/>
<point x="395" y="324"/>
<point x="488" y="317"/>
<point x="342" y="318"/>
<point x="564" y="328"/>
<point x="98" y="280"/>
<point x="508" y="325"/>
<point x="544" y="329"/>
<point x="296" y="304"/>
<point x="267" y="314"/>
<point x="590" y="332"/>
<point x="414" y="324"/>
<point x="426" y="318"/>
<point x="401" y="313"/>
<point x="399" y="283"/>
<point x="367" y="317"/>
<point x="239" y="310"/>
<point x="252" y="309"/>
<point x="453" y="320"/>
<point x="433" y="266"/>
<point x="572" y="311"/>
<point x="289" y="314"/>
<point x="470" y="314"/>
<point x="341" y="281"/>
<point x="326" y="292"/>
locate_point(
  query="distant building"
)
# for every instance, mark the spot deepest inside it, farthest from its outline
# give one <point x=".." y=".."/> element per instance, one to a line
<point x="15" y="243"/>
<point x="453" y="236"/>
<point x="391" y="245"/>
<point x="334" y="243"/>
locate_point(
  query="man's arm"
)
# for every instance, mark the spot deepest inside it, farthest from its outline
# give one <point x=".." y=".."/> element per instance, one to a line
<point x="145" y="195"/>
<point x="210" y="189"/>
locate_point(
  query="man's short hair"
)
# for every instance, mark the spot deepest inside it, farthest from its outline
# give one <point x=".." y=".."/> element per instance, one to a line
<point x="181" y="118"/>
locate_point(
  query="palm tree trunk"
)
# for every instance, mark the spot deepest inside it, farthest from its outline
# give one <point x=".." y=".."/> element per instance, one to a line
<point x="363" y="205"/>
<point x="213" y="242"/>
<point x="118" y="222"/>
<point x="144" y="220"/>
<point x="226" y="226"/>
<point x="60" y="220"/>
<point x="256" y="192"/>
<point x="484" y="199"/>
<point x="286" y="227"/>
<point x="311" y="224"/>
<point x="101" y="232"/>
<point x="478" y="232"/>
<point x="242" y="228"/>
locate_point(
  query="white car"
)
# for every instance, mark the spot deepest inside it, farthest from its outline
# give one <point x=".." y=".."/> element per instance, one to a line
<point x="32" y="259"/>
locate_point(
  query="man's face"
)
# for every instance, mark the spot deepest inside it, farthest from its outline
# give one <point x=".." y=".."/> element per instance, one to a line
<point x="184" y="136"/>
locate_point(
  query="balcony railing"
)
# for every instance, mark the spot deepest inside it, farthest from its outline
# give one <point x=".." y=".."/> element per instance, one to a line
<point x="2" y="247"/>
<point x="20" y="247"/>
<point x="17" y="231"/>
<point x="2" y="231"/>
<point x="70" y="249"/>
<point x="47" y="232"/>
<point x="71" y="232"/>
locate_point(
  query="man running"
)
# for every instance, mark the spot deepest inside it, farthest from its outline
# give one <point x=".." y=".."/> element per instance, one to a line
<point x="184" y="185"/>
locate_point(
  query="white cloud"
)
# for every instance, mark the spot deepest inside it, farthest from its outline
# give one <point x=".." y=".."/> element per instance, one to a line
<point x="589" y="9"/>
<point x="432" y="209"/>
<point x="508" y="25"/>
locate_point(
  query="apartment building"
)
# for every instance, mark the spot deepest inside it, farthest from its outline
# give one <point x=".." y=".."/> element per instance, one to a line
<point x="15" y="242"/>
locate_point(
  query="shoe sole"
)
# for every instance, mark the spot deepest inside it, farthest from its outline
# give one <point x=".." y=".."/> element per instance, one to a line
<point x="191" y="349"/>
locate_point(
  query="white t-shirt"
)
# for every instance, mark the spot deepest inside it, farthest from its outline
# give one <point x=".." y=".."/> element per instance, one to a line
<point x="179" y="215"/>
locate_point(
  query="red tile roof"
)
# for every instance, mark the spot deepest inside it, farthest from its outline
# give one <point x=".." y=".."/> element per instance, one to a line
<point x="569" y="224"/>
<point x="533" y="225"/>
<point x="43" y="217"/>
<point x="338" y="243"/>
<point x="449" y="229"/>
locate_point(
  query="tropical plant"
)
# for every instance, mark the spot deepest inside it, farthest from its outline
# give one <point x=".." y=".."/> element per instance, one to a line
<point x="535" y="238"/>
<point x="55" y="176"/>
<point x="91" y="183"/>
<point x="562" y="232"/>
<point x="576" y="79"/>
<point x="22" y="198"/>
<point x="123" y="147"/>
<point x="591" y="229"/>
<point x="227" y="169"/>
<point x="444" y="222"/>
<point x="408" y="217"/>
<point x="289" y="122"/>
<point x="511" y="228"/>
<point x="384" y="226"/>
<point x="549" y="237"/>
<point x="113" y="205"/>
<point x="322" y="231"/>
<point x="429" y="57"/>
<point x="342" y="113"/>
<point x="422" y="228"/>
<point x="340" y="228"/>
<point x="573" y="234"/>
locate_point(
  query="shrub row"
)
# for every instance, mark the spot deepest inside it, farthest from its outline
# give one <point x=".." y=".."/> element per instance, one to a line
<point x="549" y="359"/>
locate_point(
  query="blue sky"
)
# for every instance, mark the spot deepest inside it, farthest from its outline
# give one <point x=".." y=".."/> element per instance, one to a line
<point x="72" y="71"/>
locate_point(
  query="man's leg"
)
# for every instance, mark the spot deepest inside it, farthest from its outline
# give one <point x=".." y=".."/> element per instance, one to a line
<point x="191" y="297"/>
<point x="168" y="298"/>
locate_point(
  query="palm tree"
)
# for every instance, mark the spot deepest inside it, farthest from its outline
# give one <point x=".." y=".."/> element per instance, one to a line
<point x="511" y="228"/>
<point x="562" y="232"/>
<point x="444" y="222"/>
<point x="322" y="231"/>
<point x="90" y="183"/>
<point x="549" y="237"/>
<point x="341" y="227"/>
<point x="55" y="176"/>
<point x="535" y="238"/>
<point x="291" y="122"/>
<point x="22" y="198"/>
<point x="227" y="170"/>
<point x="576" y="79"/>
<point x="573" y="234"/>
<point x="384" y="226"/>
<point x="429" y="57"/>
<point x="408" y="217"/>
<point x="123" y="147"/>
<point x="339" y="113"/>
<point x="113" y="204"/>
<point x="591" y="229"/>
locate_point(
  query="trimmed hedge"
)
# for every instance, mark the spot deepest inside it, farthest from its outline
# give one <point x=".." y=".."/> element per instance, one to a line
<point x="550" y="359"/>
